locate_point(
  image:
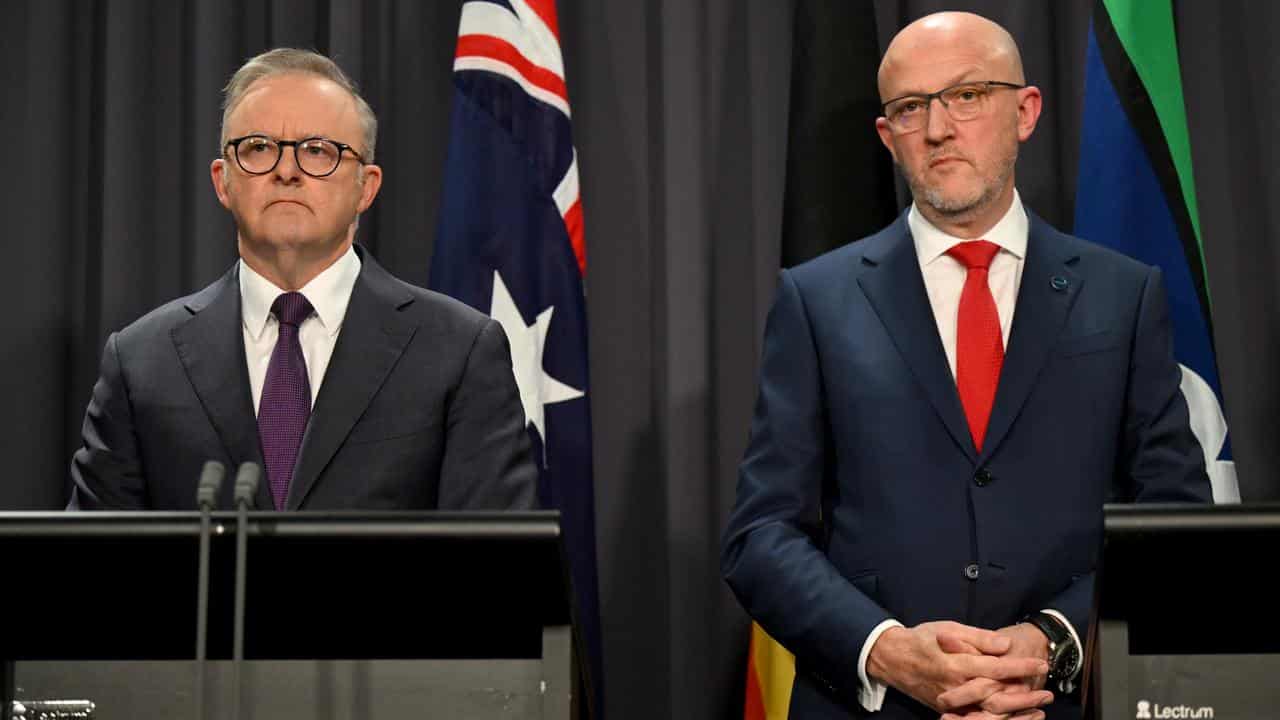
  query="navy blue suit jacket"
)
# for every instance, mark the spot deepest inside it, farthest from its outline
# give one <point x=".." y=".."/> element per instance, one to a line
<point x="859" y="497"/>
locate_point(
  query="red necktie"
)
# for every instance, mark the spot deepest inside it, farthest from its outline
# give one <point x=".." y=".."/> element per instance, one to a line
<point x="979" y="346"/>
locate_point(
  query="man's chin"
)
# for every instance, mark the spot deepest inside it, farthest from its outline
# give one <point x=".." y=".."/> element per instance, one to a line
<point x="948" y="195"/>
<point x="288" y="232"/>
<point x="283" y="241"/>
<point x="952" y="204"/>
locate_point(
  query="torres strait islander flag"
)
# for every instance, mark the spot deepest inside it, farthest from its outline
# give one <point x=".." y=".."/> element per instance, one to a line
<point x="510" y="243"/>
<point x="1136" y="193"/>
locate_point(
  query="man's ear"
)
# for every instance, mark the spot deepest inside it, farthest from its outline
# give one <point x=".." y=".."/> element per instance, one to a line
<point x="371" y="176"/>
<point x="218" y="174"/>
<point x="886" y="136"/>
<point x="1029" y="105"/>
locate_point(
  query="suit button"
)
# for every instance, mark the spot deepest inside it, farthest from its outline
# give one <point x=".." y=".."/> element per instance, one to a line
<point x="971" y="571"/>
<point x="983" y="478"/>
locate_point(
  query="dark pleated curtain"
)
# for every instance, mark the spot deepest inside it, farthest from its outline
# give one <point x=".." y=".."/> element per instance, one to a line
<point x="681" y="110"/>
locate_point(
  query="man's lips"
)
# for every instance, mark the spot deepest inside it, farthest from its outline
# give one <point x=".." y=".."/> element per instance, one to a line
<point x="288" y="202"/>
<point x="944" y="160"/>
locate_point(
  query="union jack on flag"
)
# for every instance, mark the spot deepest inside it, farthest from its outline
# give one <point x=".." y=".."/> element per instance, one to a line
<point x="510" y="243"/>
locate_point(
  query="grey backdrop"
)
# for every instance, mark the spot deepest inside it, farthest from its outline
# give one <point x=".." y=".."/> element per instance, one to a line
<point x="680" y="116"/>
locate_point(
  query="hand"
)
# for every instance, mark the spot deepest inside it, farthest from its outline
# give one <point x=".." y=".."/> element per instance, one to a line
<point x="1026" y="640"/>
<point x="985" y="698"/>
<point x="914" y="660"/>
<point x="993" y="700"/>
<point x="984" y="715"/>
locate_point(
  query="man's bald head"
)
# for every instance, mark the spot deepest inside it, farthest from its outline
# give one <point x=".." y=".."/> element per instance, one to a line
<point x="949" y="33"/>
<point x="957" y="154"/>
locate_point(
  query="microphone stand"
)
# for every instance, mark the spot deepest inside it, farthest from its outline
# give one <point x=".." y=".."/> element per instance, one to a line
<point x="206" y="499"/>
<point x="247" y="478"/>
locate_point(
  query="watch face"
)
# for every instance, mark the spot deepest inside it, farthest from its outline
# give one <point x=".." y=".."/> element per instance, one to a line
<point x="1062" y="660"/>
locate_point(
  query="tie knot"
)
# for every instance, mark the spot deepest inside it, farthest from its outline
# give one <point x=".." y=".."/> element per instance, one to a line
<point x="974" y="254"/>
<point x="291" y="308"/>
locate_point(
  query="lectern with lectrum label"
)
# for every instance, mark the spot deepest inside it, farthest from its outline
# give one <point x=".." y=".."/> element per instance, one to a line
<point x="1187" y="621"/>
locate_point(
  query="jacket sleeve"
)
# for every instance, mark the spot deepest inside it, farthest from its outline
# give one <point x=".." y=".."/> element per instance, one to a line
<point x="772" y="555"/>
<point x="106" y="473"/>
<point x="488" y="460"/>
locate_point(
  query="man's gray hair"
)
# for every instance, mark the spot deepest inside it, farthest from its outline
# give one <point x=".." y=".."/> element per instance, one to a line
<point x="283" y="61"/>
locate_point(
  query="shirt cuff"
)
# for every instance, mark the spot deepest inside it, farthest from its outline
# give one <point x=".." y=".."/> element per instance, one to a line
<point x="871" y="692"/>
<point x="1070" y="683"/>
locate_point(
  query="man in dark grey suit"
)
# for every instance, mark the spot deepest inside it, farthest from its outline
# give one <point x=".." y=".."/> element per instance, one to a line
<point x="353" y="389"/>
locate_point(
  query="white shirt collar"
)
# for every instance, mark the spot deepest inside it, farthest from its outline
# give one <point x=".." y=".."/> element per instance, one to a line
<point x="1010" y="233"/>
<point x="329" y="292"/>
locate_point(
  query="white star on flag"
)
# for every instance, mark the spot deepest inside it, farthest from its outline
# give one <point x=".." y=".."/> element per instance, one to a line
<point x="537" y="388"/>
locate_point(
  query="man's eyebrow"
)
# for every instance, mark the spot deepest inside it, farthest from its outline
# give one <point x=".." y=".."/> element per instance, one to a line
<point x="959" y="79"/>
<point x="297" y="136"/>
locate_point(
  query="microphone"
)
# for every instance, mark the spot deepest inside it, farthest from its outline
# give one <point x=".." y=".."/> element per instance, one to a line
<point x="247" y="479"/>
<point x="206" y="499"/>
<point x="210" y="484"/>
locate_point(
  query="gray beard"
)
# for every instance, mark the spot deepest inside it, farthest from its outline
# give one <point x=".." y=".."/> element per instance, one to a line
<point x="958" y="209"/>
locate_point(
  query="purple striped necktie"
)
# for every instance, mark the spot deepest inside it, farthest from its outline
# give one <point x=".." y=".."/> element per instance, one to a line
<point x="285" y="406"/>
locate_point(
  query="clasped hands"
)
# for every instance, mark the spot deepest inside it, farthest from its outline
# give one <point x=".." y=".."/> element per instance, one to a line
<point x="966" y="672"/>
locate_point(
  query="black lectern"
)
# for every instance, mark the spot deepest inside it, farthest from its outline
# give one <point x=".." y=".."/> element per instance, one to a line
<point x="348" y="615"/>
<point x="1184" y="626"/>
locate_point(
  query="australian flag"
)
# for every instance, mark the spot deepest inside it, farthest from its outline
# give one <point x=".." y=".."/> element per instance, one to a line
<point x="510" y="243"/>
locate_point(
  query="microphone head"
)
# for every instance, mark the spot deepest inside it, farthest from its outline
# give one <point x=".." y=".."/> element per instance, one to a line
<point x="210" y="484"/>
<point x="247" y="479"/>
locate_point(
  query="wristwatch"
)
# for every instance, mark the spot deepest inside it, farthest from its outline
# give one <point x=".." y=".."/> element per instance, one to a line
<point x="1064" y="655"/>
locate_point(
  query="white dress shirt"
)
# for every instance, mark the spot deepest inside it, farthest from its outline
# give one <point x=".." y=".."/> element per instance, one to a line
<point x="329" y="292"/>
<point x="944" y="275"/>
<point x="944" y="278"/>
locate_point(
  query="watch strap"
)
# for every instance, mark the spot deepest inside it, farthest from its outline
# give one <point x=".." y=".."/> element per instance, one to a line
<point x="1064" y="655"/>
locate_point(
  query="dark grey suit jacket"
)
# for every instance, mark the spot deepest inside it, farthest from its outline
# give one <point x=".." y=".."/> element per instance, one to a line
<point x="418" y="408"/>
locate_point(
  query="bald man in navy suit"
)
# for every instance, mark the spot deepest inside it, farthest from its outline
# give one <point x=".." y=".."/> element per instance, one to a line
<point x="944" y="408"/>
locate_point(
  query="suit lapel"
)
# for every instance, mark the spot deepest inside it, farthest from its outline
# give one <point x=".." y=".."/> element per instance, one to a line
<point x="1048" y="288"/>
<point x="895" y="288"/>
<point x="374" y="334"/>
<point x="211" y="347"/>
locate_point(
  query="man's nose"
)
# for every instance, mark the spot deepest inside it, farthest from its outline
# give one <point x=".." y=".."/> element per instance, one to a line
<point x="287" y="168"/>
<point x="938" y="124"/>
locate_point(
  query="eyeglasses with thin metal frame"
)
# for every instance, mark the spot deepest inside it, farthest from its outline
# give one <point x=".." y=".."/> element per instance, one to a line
<point x="964" y="101"/>
<point x="316" y="156"/>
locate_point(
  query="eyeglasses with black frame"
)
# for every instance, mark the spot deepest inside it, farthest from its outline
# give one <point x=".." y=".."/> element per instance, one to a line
<point x="316" y="156"/>
<point x="965" y="101"/>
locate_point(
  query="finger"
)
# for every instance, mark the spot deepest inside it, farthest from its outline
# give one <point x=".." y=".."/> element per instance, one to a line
<point x="972" y="692"/>
<point x="949" y="643"/>
<point x="1004" y="703"/>
<point x="980" y="714"/>
<point x="976" y="715"/>
<point x="987" y="642"/>
<point x="1000" y="668"/>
